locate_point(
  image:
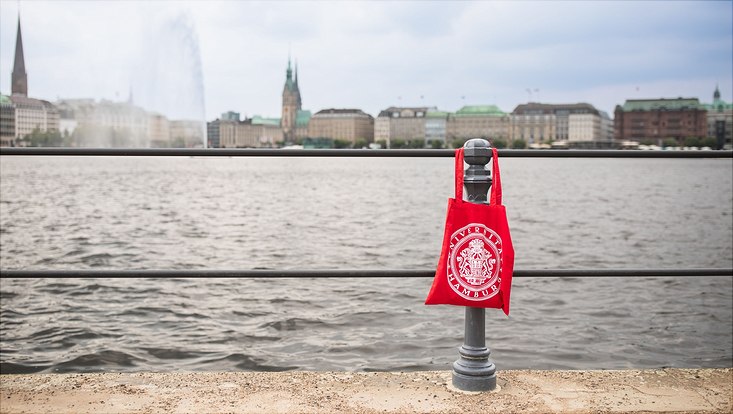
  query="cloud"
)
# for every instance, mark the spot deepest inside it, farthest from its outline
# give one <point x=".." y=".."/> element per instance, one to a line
<point x="371" y="55"/>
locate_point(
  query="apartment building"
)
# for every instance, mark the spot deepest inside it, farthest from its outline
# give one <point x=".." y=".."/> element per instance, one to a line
<point x="7" y="122"/>
<point x="401" y="123"/>
<point x="539" y="123"/>
<point x="186" y="133"/>
<point x="19" y="114"/>
<point x="255" y="132"/>
<point x="478" y="121"/>
<point x="30" y="114"/>
<point x="656" y="120"/>
<point x="720" y="121"/>
<point x="342" y="124"/>
<point x="436" y="128"/>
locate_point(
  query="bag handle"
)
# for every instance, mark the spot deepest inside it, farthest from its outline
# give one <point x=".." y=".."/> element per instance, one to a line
<point x="496" y="183"/>
<point x="459" y="174"/>
<point x="496" y="194"/>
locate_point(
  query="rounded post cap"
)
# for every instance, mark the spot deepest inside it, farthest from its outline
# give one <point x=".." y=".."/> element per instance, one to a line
<point x="477" y="151"/>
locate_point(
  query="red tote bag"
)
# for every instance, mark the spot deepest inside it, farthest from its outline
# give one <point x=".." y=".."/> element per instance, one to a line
<point x="477" y="257"/>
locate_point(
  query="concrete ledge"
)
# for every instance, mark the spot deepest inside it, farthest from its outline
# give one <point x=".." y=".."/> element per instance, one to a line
<point x="628" y="391"/>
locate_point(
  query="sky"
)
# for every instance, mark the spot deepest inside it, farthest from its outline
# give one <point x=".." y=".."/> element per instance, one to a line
<point x="190" y="59"/>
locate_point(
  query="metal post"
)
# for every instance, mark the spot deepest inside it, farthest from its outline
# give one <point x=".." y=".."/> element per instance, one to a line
<point x="473" y="371"/>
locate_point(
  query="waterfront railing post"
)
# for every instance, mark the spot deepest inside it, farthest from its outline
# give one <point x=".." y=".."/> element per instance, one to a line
<point x="473" y="371"/>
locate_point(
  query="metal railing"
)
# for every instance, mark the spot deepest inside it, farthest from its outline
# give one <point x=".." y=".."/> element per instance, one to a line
<point x="345" y="273"/>
<point x="356" y="273"/>
<point x="380" y="153"/>
<point x="473" y="371"/>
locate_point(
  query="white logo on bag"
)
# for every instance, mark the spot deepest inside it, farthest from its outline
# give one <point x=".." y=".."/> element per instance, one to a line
<point x="474" y="262"/>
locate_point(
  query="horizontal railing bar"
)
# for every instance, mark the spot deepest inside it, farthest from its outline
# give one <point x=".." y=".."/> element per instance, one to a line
<point x="274" y="274"/>
<point x="271" y="152"/>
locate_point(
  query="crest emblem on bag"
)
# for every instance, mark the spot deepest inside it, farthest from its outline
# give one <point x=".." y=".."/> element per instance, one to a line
<point x="474" y="262"/>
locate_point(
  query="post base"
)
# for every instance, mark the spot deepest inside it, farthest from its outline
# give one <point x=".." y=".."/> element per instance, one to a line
<point x="471" y="383"/>
<point x="473" y="371"/>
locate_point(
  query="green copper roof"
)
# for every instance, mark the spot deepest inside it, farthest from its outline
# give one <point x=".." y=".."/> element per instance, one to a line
<point x="719" y="105"/>
<point x="661" y="104"/>
<point x="5" y="100"/>
<point x="474" y="110"/>
<point x="258" y="120"/>
<point x="437" y="114"/>
<point x="302" y="118"/>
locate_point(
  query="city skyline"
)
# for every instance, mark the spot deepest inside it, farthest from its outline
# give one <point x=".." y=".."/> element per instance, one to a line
<point x="371" y="55"/>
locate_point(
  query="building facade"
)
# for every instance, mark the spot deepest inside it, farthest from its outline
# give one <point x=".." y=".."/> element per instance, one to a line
<point x="122" y="124"/>
<point x="533" y="123"/>
<point x="255" y="132"/>
<point x="264" y="132"/>
<point x="436" y="123"/>
<point x="350" y="125"/>
<point x="109" y="124"/>
<point x="302" y="118"/>
<point x="7" y="122"/>
<point x="33" y="114"/>
<point x="184" y="133"/>
<point x="382" y="129"/>
<point x="478" y="121"/>
<point x="583" y="127"/>
<point x="159" y="130"/>
<point x="21" y="115"/>
<point x="213" y="137"/>
<point x="401" y="123"/>
<point x="607" y="127"/>
<point x="654" y="121"/>
<point x="538" y="124"/>
<point x="222" y="131"/>
<point x="590" y="127"/>
<point x="720" y="121"/>
<point x="231" y="116"/>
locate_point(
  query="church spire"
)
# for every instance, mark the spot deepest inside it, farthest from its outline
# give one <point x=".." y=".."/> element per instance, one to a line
<point x="297" y="88"/>
<point x="289" y="83"/>
<point x="289" y="72"/>
<point x="19" y="83"/>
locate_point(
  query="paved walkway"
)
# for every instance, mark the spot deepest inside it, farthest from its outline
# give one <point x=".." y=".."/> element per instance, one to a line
<point x="629" y="391"/>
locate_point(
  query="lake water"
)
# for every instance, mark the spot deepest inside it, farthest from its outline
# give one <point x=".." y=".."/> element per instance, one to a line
<point x="355" y="213"/>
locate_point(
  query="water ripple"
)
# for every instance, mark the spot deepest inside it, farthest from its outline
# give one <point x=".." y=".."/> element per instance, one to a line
<point x="171" y="213"/>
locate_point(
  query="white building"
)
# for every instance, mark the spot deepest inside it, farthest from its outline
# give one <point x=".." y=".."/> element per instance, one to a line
<point x="382" y="129"/>
<point x="436" y="127"/>
<point x="401" y="123"/>
<point x="186" y="133"/>
<point x="255" y="132"/>
<point x="720" y="121"/>
<point x="20" y="115"/>
<point x="33" y="114"/>
<point x="583" y="127"/>
<point x="538" y="123"/>
<point x="112" y="124"/>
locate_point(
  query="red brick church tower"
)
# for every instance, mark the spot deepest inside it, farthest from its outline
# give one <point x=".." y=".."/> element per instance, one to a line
<point x="19" y="83"/>
<point x="291" y="104"/>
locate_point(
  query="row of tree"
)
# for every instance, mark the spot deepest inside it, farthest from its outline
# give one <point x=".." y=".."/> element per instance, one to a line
<point x="455" y="143"/>
<point x="686" y="142"/>
<point x="81" y="137"/>
<point x="403" y="143"/>
<point x="522" y="144"/>
<point x="95" y="136"/>
<point x="113" y="137"/>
